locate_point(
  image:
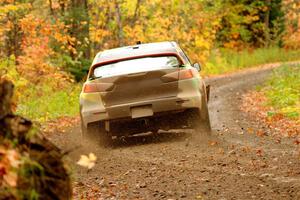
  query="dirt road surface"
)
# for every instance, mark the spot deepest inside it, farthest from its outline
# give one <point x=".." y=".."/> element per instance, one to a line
<point x="232" y="163"/>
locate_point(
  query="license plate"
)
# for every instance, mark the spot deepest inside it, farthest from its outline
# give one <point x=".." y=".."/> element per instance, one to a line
<point x="141" y="111"/>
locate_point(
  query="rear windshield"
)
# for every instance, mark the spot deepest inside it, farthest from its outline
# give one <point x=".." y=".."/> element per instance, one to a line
<point x="135" y="66"/>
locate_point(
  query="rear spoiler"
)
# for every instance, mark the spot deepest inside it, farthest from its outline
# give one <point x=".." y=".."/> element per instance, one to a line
<point x="135" y="57"/>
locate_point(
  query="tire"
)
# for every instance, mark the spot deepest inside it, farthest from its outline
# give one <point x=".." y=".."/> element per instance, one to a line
<point x="197" y="123"/>
<point x="204" y="114"/>
<point x="199" y="118"/>
<point x="96" y="132"/>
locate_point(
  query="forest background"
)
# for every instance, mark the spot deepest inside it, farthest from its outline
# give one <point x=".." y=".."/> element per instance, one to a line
<point x="47" y="46"/>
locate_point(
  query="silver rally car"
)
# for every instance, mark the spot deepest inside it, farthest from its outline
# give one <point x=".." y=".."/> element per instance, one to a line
<point x="140" y="88"/>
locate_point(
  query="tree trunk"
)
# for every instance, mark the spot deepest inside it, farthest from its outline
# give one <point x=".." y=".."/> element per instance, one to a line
<point x="136" y="13"/>
<point x="51" y="8"/>
<point x="267" y="23"/>
<point x="80" y="30"/>
<point x="119" y="23"/>
<point x="6" y="93"/>
<point x="62" y="7"/>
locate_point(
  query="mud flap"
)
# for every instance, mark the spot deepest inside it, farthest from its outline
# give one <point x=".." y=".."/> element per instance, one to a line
<point x="207" y="92"/>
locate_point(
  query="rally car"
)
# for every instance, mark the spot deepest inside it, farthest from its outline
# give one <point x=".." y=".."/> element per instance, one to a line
<point x="140" y="88"/>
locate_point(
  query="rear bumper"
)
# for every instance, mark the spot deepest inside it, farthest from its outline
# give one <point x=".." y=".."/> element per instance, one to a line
<point x="124" y="110"/>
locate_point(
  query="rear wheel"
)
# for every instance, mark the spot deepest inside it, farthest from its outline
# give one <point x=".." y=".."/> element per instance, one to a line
<point x="204" y="114"/>
<point x="96" y="132"/>
<point x="197" y="123"/>
<point x="199" y="118"/>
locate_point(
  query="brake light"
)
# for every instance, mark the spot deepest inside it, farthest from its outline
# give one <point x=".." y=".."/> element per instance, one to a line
<point x="97" y="87"/>
<point x="89" y="88"/>
<point x="178" y="75"/>
<point x="185" y="74"/>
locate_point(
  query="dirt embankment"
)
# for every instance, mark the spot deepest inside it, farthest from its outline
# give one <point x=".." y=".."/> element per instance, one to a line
<point x="233" y="163"/>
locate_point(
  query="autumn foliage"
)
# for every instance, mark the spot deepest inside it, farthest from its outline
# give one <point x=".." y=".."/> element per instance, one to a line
<point x="292" y="36"/>
<point x="53" y="36"/>
<point x="46" y="46"/>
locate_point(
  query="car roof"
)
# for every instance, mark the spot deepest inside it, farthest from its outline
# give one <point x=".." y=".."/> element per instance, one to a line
<point x="135" y="50"/>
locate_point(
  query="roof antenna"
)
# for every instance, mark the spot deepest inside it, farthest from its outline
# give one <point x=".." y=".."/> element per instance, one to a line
<point x="138" y="42"/>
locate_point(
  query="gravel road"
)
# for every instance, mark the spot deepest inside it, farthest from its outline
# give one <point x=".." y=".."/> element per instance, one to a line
<point x="232" y="163"/>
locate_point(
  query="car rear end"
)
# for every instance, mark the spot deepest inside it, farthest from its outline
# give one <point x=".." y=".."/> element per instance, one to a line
<point x="140" y="87"/>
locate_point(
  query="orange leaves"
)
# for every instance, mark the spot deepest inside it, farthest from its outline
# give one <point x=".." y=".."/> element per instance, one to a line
<point x="9" y="162"/>
<point x="292" y="16"/>
<point x="233" y="44"/>
<point x="261" y="133"/>
<point x="35" y="48"/>
<point x="297" y="141"/>
<point x="254" y="104"/>
<point x="213" y="143"/>
<point x="34" y="62"/>
<point x="67" y="42"/>
<point x="259" y="152"/>
<point x="65" y="123"/>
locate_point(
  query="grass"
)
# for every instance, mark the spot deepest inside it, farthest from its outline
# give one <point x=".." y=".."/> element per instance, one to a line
<point x="283" y="88"/>
<point x="43" y="103"/>
<point x="283" y="91"/>
<point x="225" y="60"/>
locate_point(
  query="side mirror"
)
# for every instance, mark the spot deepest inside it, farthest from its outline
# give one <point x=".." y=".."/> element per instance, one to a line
<point x="197" y="66"/>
